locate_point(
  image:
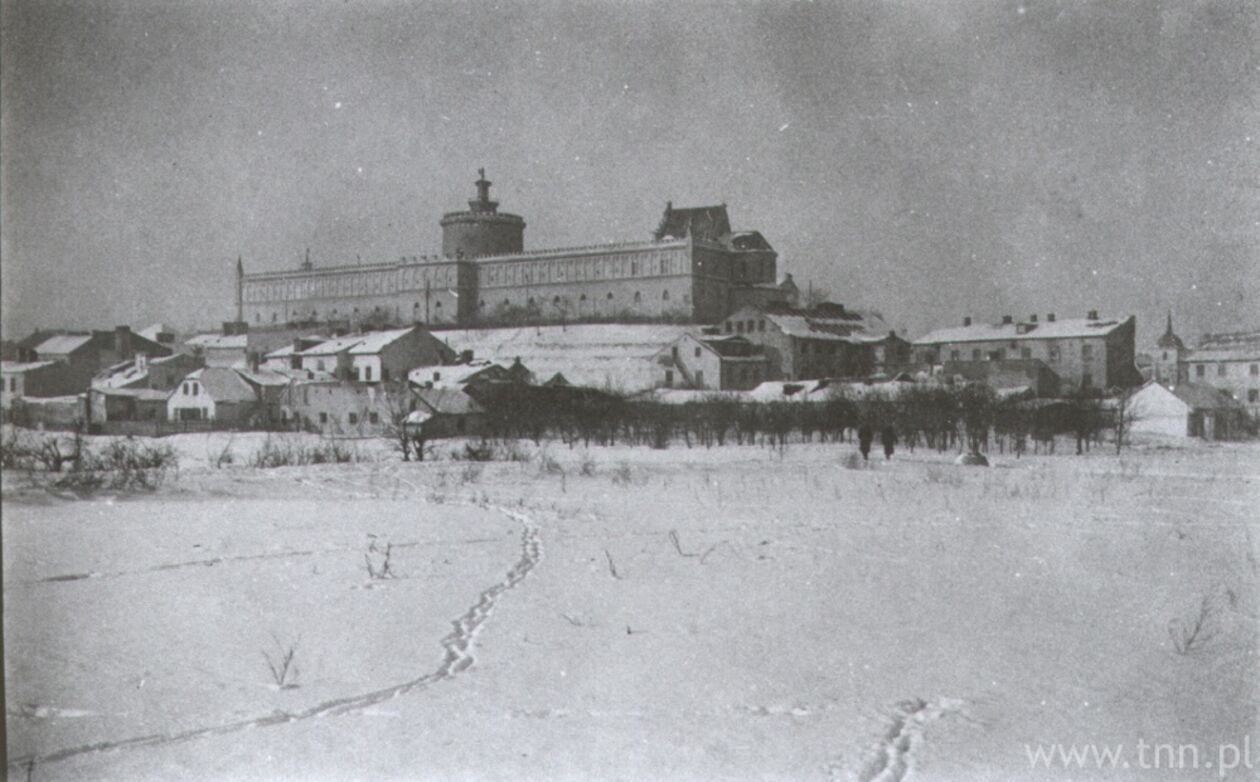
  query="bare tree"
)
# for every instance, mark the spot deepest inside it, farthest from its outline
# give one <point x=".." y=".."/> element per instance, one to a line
<point x="399" y="403"/>
<point x="1124" y="418"/>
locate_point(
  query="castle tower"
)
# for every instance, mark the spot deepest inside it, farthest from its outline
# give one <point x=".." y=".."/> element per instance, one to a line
<point x="482" y="230"/>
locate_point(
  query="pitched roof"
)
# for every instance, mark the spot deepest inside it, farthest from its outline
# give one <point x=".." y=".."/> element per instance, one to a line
<point x="17" y="367"/>
<point x="1236" y="353"/>
<point x="1204" y="397"/>
<point x="828" y="322"/>
<point x="1058" y="329"/>
<point x="63" y="344"/>
<point x="702" y="222"/>
<point x="220" y="341"/>
<point x="1230" y="339"/>
<point x="456" y="375"/>
<point x="377" y="341"/>
<point x="332" y="346"/>
<point x="448" y="401"/>
<point x="224" y="384"/>
<point x="1169" y="340"/>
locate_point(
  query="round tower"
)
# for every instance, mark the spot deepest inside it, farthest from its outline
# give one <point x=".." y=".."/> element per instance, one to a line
<point x="482" y="230"/>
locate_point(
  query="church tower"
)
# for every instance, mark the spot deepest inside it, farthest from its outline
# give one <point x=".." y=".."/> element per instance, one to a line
<point x="1168" y="357"/>
<point x="483" y="229"/>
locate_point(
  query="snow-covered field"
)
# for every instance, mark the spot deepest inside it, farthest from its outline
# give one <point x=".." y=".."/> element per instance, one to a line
<point x="625" y="613"/>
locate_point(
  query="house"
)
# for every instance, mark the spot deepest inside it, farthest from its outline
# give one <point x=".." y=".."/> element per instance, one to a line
<point x="331" y="356"/>
<point x="389" y="355"/>
<point x="827" y="340"/>
<point x="85" y="354"/>
<point x="446" y="412"/>
<point x="220" y="350"/>
<point x="1186" y="410"/>
<point x="218" y="394"/>
<point x="729" y="363"/>
<point x="20" y="379"/>
<point x="290" y="356"/>
<point x="1085" y="353"/>
<point x="1229" y="362"/>
<point x="137" y="390"/>
<point x="1005" y="375"/>
<point x="344" y="407"/>
<point x="470" y="375"/>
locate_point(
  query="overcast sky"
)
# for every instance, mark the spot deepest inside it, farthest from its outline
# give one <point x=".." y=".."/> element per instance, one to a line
<point x="928" y="159"/>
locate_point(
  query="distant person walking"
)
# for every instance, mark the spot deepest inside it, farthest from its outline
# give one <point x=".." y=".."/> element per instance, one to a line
<point x="865" y="435"/>
<point x="888" y="436"/>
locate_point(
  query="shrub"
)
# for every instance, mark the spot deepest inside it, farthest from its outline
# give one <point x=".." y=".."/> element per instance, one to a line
<point x="480" y="451"/>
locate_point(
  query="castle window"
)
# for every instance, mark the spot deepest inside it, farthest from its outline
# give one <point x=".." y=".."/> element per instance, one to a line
<point x="638" y="298"/>
<point x="1199" y="370"/>
<point x="354" y="418"/>
<point x="481" y="305"/>
<point x="761" y="325"/>
<point x="583" y="297"/>
<point x="739" y="326"/>
<point x="1025" y="353"/>
<point x="1255" y="370"/>
<point x="610" y="295"/>
<point x="975" y="355"/>
<point x="729" y="327"/>
<point x="257" y="318"/>
<point x="665" y="296"/>
<point x="274" y="316"/>
<point x="1220" y="370"/>
<point x="697" y="352"/>
<point x="556" y="301"/>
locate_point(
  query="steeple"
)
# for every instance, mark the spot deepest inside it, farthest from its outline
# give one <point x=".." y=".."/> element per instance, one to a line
<point x="1170" y="341"/>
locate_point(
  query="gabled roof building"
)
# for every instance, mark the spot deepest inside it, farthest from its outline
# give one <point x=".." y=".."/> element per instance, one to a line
<point x="1084" y="353"/>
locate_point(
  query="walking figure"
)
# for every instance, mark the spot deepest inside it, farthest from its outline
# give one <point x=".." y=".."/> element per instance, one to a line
<point x="865" y="436"/>
<point x="888" y="436"/>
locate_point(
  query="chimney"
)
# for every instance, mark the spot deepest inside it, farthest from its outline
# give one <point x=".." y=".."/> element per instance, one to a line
<point x="142" y="362"/>
<point x="966" y="320"/>
<point x="1050" y="317"/>
<point x="1093" y="314"/>
<point x="122" y="341"/>
<point x="1032" y="318"/>
<point x="1007" y="320"/>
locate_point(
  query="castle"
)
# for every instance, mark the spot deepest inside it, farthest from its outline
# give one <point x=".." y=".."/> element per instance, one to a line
<point x="693" y="269"/>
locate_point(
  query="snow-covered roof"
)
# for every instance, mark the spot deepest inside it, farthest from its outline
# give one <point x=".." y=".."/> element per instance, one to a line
<point x="333" y="346"/>
<point x="62" y="344"/>
<point x="451" y="375"/>
<point x="224" y="384"/>
<point x="614" y="356"/>
<point x="1204" y="397"/>
<point x="448" y="401"/>
<point x="151" y="333"/>
<point x="17" y="367"/>
<point x="1240" y="353"/>
<point x="265" y="377"/>
<point x="142" y="394"/>
<point x="989" y="332"/>
<point x="291" y="349"/>
<point x="828" y="322"/>
<point x="120" y="376"/>
<point x="219" y="341"/>
<point x="789" y="391"/>
<point x="377" y="341"/>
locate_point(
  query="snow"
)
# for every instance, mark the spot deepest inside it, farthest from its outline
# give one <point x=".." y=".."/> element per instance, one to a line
<point x="675" y="614"/>
<point x="616" y="357"/>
